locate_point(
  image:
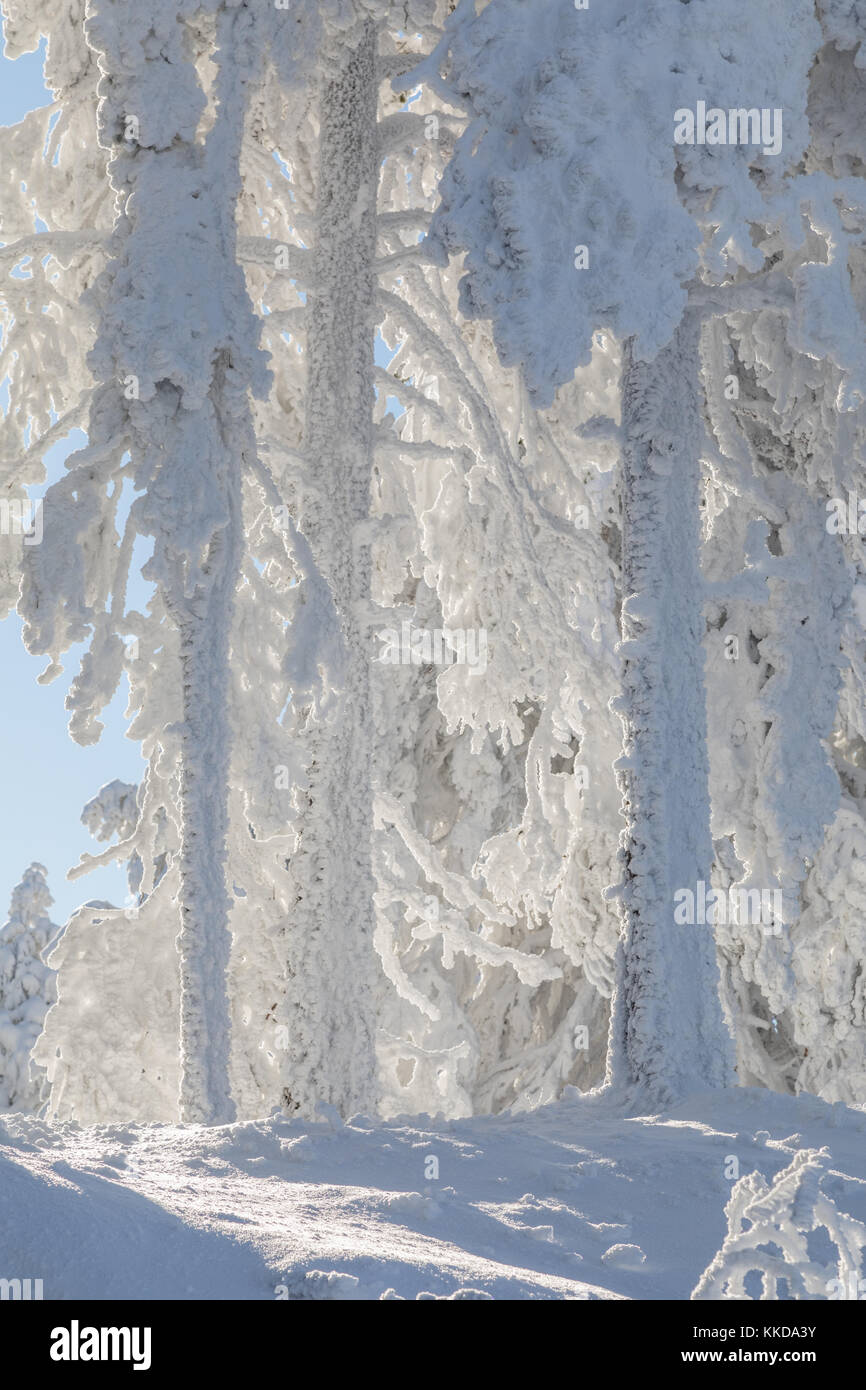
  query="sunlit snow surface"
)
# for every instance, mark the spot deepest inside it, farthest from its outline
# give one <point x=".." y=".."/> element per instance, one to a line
<point x="574" y="1201"/>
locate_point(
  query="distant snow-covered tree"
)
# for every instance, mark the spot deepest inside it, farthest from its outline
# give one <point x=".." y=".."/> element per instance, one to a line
<point x="27" y="990"/>
<point x="110" y="1047"/>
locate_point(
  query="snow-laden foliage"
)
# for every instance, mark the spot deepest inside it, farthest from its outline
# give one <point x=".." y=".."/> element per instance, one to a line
<point x="210" y="256"/>
<point x="559" y="98"/>
<point x="786" y="695"/>
<point x="529" y="198"/>
<point x="27" y="990"/>
<point x="463" y="419"/>
<point x="770" y="1250"/>
<point x="55" y="213"/>
<point x="499" y="820"/>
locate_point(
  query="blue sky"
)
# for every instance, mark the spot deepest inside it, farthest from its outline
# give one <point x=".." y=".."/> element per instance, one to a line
<point x="46" y="777"/>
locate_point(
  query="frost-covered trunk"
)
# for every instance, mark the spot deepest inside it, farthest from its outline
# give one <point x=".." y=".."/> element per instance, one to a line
<point x="668" y="1032"/>
<point x="205" y="940"/>
<point x="329" y="1008"/>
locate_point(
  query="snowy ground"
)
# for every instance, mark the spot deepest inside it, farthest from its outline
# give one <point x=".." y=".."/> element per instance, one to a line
<point x="573" y="1201"/>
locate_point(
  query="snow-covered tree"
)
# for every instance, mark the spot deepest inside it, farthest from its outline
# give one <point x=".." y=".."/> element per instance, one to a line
<point x="787" y="457"/>
<point x="655" y="258"/>
<point x="187" y="98"/>
<point x="27" y="990"/>
<point x="170" y="420"/>
<point x="158" y="414"/>
<point x="619" y="416"/>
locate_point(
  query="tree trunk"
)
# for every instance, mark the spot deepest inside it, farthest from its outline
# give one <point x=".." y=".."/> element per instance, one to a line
<point x="205" y="940"/>
<point x="329" y="1007"/>
<point x="668" y="1034"/>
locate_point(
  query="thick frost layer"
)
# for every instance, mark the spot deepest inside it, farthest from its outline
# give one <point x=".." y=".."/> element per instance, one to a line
<point x="572" y="145"/>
